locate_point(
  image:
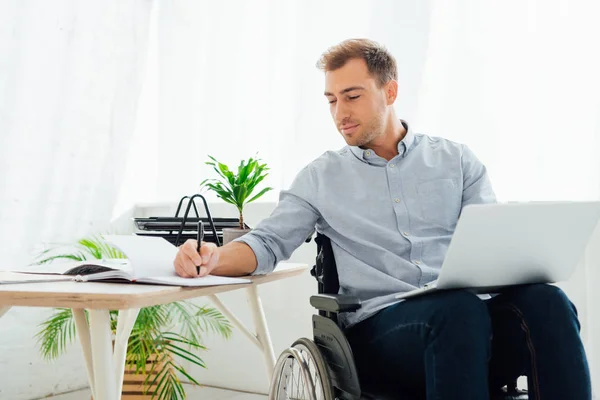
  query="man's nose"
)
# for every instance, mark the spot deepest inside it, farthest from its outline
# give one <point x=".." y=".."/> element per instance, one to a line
<point x="341" y="112"/>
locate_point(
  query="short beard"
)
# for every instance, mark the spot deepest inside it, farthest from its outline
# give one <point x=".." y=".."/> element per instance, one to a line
<point x="373" y="130"/>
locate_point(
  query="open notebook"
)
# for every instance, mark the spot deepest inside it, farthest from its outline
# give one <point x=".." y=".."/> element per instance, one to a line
<point x="149" y="260"/>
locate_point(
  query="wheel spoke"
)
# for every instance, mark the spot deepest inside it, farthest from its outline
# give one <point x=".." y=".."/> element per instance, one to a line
<point x="300" y="372"/>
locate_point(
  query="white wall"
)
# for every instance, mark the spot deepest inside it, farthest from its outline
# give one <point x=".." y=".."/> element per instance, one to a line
<point x="23" y="374"/>
<point x="232" y="364"/>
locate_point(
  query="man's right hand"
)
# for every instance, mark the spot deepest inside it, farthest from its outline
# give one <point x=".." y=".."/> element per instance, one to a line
<point x="187" y="259"/>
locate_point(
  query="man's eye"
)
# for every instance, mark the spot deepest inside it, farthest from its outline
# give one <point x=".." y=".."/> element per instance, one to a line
<point x="354" y="97"/>
<point x="332" y="101"/>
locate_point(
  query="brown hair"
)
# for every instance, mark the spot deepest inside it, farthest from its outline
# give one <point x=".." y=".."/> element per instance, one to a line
<point x="380" y="62"/>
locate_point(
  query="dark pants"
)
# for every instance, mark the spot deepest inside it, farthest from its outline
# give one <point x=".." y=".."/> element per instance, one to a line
<point x="452" y="345"/>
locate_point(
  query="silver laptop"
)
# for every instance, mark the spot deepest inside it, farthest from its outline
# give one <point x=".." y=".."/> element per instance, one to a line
<point x="499" y="245"/>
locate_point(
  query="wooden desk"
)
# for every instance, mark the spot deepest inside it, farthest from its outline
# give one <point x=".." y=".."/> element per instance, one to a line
<point x="105" y="367"/>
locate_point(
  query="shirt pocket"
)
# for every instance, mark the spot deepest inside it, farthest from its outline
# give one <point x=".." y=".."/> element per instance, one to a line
<point x="440" y="202"/>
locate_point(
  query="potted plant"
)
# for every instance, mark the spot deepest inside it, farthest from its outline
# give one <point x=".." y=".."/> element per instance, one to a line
<point x="237" y="188"/>
<point x="155" y="348"/>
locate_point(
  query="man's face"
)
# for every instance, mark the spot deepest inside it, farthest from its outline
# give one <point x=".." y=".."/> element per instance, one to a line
<point x="358" y="106"/>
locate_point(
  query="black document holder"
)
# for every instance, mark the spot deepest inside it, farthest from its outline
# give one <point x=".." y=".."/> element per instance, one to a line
<point x="178" y="229"/>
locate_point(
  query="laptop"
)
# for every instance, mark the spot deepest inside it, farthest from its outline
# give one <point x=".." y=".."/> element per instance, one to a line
<point x="499" y="245"/>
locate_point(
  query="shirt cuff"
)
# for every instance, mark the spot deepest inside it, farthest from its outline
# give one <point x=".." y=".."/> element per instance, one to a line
<point x="262" y="255"/>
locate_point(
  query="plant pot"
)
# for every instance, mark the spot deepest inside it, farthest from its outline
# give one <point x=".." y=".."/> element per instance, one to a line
<point x="133" y="383"/>
<point x="229" y="234"/>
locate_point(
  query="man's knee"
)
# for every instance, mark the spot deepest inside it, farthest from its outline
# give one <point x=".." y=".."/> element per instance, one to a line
<point x="464" y="312"/>
<point x="547" y="302"/>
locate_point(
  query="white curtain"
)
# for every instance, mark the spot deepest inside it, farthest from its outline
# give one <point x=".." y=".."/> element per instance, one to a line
<point x="70" y="78"/>
<point x="519" y="81"/>
<point x="234" y="78"/>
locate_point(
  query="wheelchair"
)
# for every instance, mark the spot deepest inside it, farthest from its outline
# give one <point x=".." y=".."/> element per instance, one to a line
<point x="323" y="368"/>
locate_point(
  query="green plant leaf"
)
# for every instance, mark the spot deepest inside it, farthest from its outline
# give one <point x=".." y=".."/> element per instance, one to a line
<point x="256" y="180"/>
<point x="237" y="195"/>
<point x="184" y="373"/>
<point x="265" y="190"/>
<point x="184" y="313"/>
<point x="226" y="173"/>
<point x="74" y="256"/>
<point x="168" y="384"/>
<point x="92" y="247"/>
<point x="153" y="319"/>
<point x="213" y="320"/>
<point x="56" y="333"/>
<point x="139" y="350"/>
<point x="223" y="193"/>
<point x="165" y="385"/>
<point x="186" y="355"/>
<point x="237" y="189"/>
<point x="86" y="248"/>
<point x="244" y="171"/>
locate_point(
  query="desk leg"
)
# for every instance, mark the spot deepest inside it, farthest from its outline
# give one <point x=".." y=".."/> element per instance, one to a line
<point x="3" y="310"/>
<point x="262" y="331"/>
<point x="235" y="320"/>
<point x="124" y="327"/>
<point x="83" y="332"/>
<point x="102" y="356"/>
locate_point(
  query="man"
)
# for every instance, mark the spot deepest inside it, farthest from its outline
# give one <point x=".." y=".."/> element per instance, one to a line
<point x="389" y="202"/>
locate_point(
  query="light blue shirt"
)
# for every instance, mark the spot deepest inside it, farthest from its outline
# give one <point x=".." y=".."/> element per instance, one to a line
<point x="390" y="222"/>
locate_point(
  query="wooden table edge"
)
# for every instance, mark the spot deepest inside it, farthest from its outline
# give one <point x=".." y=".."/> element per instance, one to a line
<point x="103" y="301"/>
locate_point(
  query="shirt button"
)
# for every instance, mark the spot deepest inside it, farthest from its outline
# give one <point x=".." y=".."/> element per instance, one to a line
<point x="417" y="262"/>
<point x="405" y="234"/>
<point x="392" y="166"/>
<point x="397" y="200"/>
<point x="368" y="153"/>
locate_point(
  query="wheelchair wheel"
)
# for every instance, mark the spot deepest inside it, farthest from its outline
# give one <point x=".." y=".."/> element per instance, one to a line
<point x="301" y="374"/>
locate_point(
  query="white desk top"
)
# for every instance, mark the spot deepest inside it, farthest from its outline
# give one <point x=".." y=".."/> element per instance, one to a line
<point x="116" y="296"/>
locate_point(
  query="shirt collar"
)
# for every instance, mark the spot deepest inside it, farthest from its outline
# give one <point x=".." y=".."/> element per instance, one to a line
<point x="404" y="146"/>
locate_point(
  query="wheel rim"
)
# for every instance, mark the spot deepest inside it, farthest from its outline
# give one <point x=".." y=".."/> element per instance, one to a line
<point x="295" y="380"/>
<point x="313" y="370"/>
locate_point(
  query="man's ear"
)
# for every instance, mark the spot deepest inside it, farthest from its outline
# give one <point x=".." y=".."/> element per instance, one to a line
<point x="391" y="91"/>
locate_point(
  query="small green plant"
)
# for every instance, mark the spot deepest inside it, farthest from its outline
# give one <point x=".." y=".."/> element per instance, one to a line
<point x="236" y="188"/>
<point x="153" y="333"/>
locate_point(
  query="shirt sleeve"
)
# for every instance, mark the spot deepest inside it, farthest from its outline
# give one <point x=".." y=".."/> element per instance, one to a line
<point x="275" y="238"/>
<point x="477" y="188"/>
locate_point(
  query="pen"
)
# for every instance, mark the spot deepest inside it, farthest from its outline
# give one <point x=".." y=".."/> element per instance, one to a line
<point x="199" y="238"/>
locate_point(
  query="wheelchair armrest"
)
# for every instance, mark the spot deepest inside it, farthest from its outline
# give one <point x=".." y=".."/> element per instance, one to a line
<point x="335" y="302"/>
